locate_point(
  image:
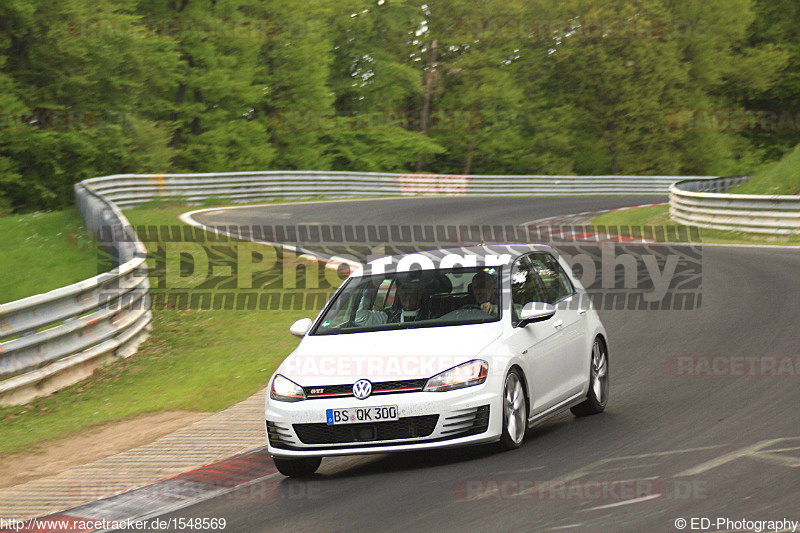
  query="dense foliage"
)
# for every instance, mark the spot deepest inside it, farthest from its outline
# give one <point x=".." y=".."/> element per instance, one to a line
<point x="446" y="86"/>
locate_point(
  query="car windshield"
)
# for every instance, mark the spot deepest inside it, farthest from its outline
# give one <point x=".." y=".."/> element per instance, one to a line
<point x="415" y="299"/>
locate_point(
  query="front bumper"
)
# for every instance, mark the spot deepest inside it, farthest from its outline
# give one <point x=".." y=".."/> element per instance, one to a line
<point x="427" y="420"/>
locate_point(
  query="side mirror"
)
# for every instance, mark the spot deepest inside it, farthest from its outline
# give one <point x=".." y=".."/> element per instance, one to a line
<point x="301" y="327"/>
<point x="535" y="312"/>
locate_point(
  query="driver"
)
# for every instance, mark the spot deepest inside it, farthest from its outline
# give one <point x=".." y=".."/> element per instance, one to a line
<point x="484" y="289"/>
<point x="409" y="294"/>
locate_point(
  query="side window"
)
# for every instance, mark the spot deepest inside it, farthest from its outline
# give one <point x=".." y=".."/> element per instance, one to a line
<point x="555" y="281"/>
<point x="525" y="287"/>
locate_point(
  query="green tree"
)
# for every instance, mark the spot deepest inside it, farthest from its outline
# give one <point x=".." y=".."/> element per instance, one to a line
<point x="217" y="86"/>
<point x="775" y="29"/>
<point x="74" y="92"/>
<point x="377" y="86"/>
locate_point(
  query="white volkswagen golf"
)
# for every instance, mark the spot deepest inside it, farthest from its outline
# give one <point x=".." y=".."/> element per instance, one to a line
<point x="450" y="347"/>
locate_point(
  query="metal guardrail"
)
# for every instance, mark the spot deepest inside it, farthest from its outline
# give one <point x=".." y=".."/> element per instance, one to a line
<point x="55" y="339"/>
<point x="704" y="203"/>
<point x="52" y="340"/>
<point x="127" y="190"/>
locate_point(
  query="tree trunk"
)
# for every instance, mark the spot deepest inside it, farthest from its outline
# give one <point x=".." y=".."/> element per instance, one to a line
<point x="426" y="104"/>
<point x="468" y="163"/>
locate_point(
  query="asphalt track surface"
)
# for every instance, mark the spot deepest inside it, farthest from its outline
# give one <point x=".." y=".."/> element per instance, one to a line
<point x="425" y="210"/>
<point x="687" y="446"/>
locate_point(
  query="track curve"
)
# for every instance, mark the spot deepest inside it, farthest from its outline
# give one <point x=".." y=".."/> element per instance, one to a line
<point x="693" y="446"/>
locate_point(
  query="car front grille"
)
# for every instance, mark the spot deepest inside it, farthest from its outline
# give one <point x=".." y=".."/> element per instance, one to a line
<point x="404" y="428"/>
<point x="382" y="387"/>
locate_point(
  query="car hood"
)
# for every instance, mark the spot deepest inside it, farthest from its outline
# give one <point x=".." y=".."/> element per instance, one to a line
<point x="385" y="355"/>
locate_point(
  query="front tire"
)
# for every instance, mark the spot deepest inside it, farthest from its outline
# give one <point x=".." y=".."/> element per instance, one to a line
<point x="597" y="397"/>
<point x="515" y="412"/>
<point x="302" y="467"/>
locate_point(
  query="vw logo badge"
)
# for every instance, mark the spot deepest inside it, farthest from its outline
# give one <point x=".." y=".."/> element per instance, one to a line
<point x="362" y="389"/>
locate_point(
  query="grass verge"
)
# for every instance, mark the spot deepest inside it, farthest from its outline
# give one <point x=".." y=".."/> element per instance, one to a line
<point x="658" y="216"/>
<point x="44" y="251"/>
<point x="781" y="177"/>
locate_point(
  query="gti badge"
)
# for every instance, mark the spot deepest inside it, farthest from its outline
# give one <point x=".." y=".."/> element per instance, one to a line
<point x="362" y="389"/>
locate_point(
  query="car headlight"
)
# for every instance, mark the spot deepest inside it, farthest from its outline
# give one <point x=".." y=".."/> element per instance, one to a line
<point x="464" y="375"/>
<point x="285" y="390"/>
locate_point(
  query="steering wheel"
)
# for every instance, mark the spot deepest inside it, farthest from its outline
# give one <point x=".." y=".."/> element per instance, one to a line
<point x="466" y="312"/>
<point x="470" y="306"/>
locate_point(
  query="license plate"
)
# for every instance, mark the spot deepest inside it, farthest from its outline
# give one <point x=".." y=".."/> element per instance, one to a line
<point x="360" y="415"/>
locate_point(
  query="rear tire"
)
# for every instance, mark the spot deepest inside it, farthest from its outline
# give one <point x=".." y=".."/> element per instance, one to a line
<point x="515" y="412"/>
<point x="597" y="397"/>
<point x="302" y="467"/>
